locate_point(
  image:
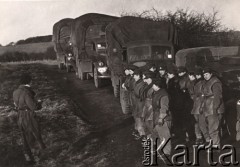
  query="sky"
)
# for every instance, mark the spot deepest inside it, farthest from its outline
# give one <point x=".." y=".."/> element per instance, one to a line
<point x="21" y="19"/>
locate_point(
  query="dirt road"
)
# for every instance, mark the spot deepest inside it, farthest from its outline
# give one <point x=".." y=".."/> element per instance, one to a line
<point x="100" y="135"/>
<point x="82" y="125"/>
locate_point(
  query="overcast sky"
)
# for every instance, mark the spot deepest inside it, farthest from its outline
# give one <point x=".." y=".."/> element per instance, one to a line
<point x="20" y="19"/>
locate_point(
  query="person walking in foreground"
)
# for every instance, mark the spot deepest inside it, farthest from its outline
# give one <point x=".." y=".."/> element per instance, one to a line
<point x="25" y="104"/>
<point x="213" y="106"/>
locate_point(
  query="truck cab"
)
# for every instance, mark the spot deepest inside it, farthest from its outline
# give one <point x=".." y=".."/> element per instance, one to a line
<point x="140" y="53"/>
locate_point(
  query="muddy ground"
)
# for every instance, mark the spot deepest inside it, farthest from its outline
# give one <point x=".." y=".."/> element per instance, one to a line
<point x="81" y="125"/>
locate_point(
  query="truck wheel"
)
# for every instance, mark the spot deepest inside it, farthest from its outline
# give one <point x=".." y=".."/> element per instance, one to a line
<point x="124" y="100"/>
<point x="97" y="81"/>
<point x="60" y="66"/>
<point x="116" y="90"/>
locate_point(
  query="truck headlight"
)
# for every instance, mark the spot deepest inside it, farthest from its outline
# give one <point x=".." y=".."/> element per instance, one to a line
<point x="238" y="102"/>
<point x="102" y="69"/>
<point x="169" y="56"/>
<point x="70" y="54"/>
<point x="69" y="58"/>
<point x="100" y="63"/>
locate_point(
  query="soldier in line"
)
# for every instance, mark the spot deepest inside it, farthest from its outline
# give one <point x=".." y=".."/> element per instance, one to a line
<point x="26" y="104"/>
<point x="195" y="91"/>
<point x="186" y="105"/>
<point x="161" y="116"/>
<point x="147" y="92"/>
<point x="137" y="102"/>
<point x="128" y="84"/>
<point x="173" y="90"/>
<point x="213" y="107"/>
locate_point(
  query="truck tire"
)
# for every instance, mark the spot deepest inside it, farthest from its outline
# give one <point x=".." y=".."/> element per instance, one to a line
<point x="116" y="90"/>
<point x="97" y="81"/>
<point x="124" y="100"/>
<point x="60" y="66"/>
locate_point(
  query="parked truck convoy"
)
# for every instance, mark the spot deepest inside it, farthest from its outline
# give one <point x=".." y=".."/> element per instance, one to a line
<point x="137" y="41"/>
<point x="61" y="40"/>
<point x="89" y="46"/>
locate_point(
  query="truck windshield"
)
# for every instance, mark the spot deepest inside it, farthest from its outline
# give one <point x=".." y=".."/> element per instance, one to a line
<point x="161" y="52"/>
<point x="138" y="53"/>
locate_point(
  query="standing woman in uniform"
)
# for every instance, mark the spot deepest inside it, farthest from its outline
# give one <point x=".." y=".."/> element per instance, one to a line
<point x="25" y="103"/>
<point x="162" y="116"/>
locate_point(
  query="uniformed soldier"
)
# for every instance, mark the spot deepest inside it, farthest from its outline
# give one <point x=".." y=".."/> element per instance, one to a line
<point x="127" y="86"/>
<point x="147" y="92"/>
<point x="173" y="90"/>
<point x="186" y="105"/>
<point x="161" y="116"/>
<point x="25" y="103"/>
<point x="195" y="92"/>
<point x="213" y="106"/>
<point x="138" y="103"/>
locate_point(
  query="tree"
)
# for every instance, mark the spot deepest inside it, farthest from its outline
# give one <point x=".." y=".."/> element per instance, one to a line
<point x="194" y="29"/>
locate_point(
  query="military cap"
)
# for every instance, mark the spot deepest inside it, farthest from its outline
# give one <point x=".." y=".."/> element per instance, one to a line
<point x="198" y="71"/>
<point x="137" y="71"/>
<point x="207" y="70"/>
<point x="172" y="70"/>
<point x="25" y="78"/>
<point x="150" y="64"/>
<point x="158" y="82"/>
<point x="149" y="74"/>
<point x="182" y="69"/>
<point x="130" y="67"/>
<point x="162" y="67"/>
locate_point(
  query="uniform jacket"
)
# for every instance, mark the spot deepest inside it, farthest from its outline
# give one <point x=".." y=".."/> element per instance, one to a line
<point x="190" y="88"/>
<point x="212" y="92"/>
<point x="147" y="98"/>
<point x="23" y="98"/>
<point x="129" y="82"/>
<point x="136" y="100"/>
<point x="163" y="79"/>
<point x="197" y="96"/>
<point x="160" y="103"/>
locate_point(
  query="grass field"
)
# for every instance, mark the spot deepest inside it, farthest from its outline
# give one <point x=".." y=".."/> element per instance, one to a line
<point x="27" y="52"/>
<point x="27" y="48"/>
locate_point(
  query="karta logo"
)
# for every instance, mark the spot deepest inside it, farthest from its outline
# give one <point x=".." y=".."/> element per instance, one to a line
<point x="153" y="150"/>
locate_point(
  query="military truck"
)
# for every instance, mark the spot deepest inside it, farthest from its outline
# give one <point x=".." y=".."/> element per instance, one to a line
<point x="137" y="41"/>
<point x="202" y="56"/>
<point x="89" y="46"/>
<point x="61" y="40"/>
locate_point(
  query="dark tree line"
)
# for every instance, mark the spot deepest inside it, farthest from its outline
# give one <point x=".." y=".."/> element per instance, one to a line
<point x="38" y="39"/>
<point x="194" y="29"/>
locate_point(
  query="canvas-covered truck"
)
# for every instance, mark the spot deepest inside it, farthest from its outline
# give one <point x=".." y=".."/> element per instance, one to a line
<point x="137" y="41"/>
<point x="89" y="46"/>
<point x="61" y="40"/>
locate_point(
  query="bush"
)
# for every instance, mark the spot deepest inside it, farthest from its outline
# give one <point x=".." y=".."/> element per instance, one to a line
<point x="23" y="56"/>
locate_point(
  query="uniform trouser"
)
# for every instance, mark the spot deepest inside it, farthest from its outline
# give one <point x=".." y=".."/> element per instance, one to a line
<point x="137" y="115"/>
<point x="164" y="135"/>
<point x="198" y="132"/>
<point x="149" y="127"/>
<point x="210" y="126"/>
